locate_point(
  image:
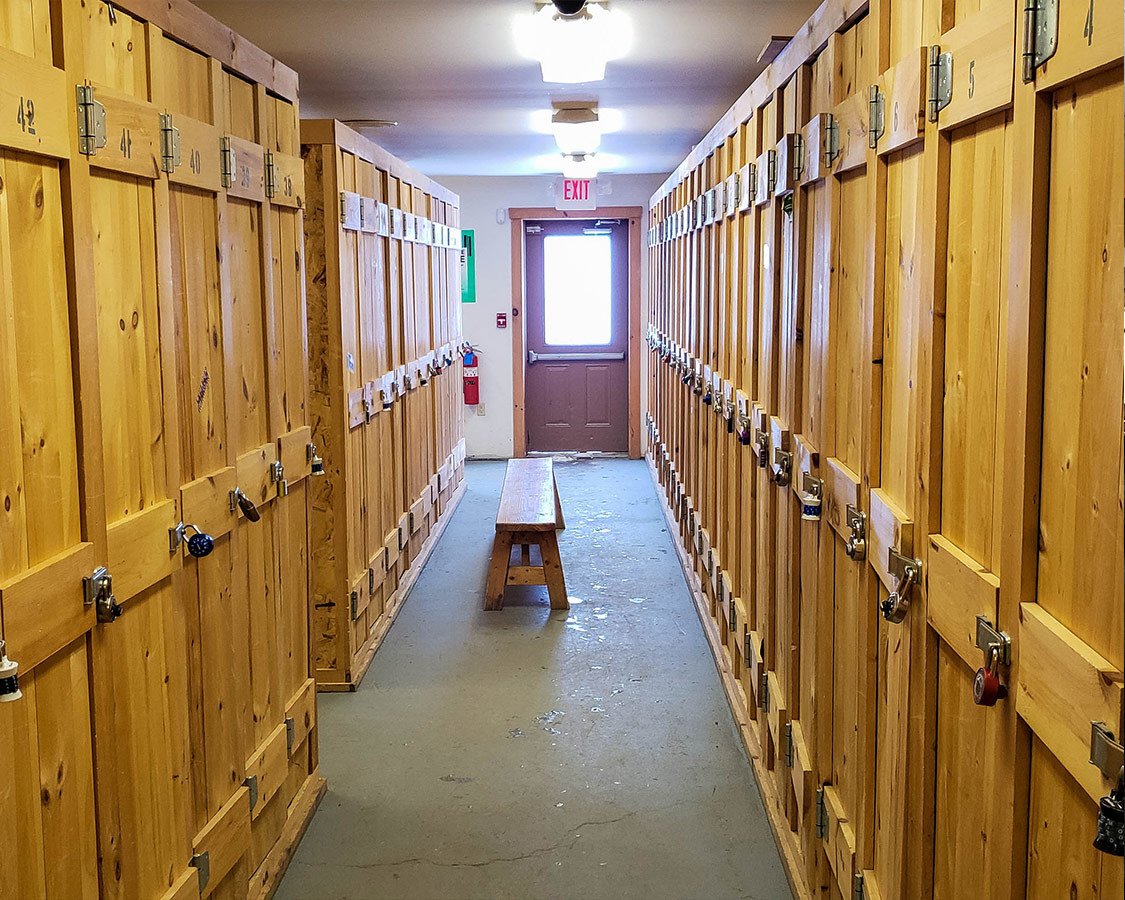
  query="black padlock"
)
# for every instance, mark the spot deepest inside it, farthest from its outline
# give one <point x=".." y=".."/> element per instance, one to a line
<point x="200" y="545"/>
<point x="1110" y="838"/>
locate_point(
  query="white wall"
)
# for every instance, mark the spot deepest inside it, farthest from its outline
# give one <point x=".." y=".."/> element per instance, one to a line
<point x="489" y="436"/>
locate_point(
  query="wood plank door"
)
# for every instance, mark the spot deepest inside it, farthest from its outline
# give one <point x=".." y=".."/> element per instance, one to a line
<point x="50" y="518"/>
<point x="577" y="335"/>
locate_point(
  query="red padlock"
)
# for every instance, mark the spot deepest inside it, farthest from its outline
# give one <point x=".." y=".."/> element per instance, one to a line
<point x="987" y="688"/>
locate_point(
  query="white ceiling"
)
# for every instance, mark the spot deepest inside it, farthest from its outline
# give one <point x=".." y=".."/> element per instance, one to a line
<point x="450" y="73"/>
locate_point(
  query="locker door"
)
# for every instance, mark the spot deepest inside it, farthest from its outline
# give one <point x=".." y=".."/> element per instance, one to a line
<point x="1069" y="636"/>
<point x="975" y="777"/>
<point x="848" y="448"/>
<point x="49" y="519"/>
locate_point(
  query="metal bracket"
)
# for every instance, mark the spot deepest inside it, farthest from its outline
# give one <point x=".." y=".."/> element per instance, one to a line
<point x="789" y="755"/>
<point x="812" y="497"/>
<point x="856" y="545"/>
<point x="271" y="179"/>
<point x="782" y="467"/>
<point x="277" y="476"/>
<point x="353" y="604"/>
<point x="941" y="82"/>
<point x="1040" y="34"/>
<point x="92" y="134"/>
<point x="748" y="649"/>
<point x="201" y="862"/>
<point x="798" y="161"/>
<point x="875" y="103"/>
<point x="732" y="615"/>
<point x="251" y="785"/>
<point x="737" y="200"/>
<point x="907" y="572"/>
<point x="764" y="691"/>
<point x="830" y="137"/>
<point x="98" y="590"/>
<point x="227" y="162"/>
<point x="169" y="144"/>
<point x="752" y="187"/>
<point x="821" y="814"/>
<point x="1105" y="753"/>
<point x="771" y="158"/>
<point x="290" y="734"/>
<point x="857" y="886"/>
<point x="988" y="639"/>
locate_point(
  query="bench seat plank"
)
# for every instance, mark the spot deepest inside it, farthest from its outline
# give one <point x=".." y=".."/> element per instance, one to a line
<point x="527" y="502"/>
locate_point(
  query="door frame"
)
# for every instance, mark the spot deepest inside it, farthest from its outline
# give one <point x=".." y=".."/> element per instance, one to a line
<point x="521" y="215"/>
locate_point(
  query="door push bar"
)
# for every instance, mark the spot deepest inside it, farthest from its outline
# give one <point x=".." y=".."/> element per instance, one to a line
<point x="533" y="357"/>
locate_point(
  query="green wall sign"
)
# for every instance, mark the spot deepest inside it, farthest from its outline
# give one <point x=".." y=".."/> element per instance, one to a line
<point x="468" y="266"/>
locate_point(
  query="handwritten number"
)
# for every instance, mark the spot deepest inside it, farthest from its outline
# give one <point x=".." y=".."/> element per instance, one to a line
<point x="972" y="78"/>
<point x="126" y="143"/>
<point x="25" y="115"/>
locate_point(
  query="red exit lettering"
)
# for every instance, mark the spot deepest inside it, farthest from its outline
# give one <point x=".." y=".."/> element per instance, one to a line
<point x="576" y="190"/>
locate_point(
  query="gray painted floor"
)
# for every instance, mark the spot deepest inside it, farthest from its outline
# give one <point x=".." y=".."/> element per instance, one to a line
<point x="525" y="754"/>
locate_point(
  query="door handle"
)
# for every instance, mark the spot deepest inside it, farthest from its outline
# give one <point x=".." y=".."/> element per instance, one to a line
<point x="533" y="357"/>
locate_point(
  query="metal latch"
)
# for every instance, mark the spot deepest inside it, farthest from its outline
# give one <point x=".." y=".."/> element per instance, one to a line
<point x="830" y="138"/>
<point x="732" y="615"/>
<point x="277" y="476"/>
<point x="821" y="814"/>
<point x="812" y="497"/>
<point x="371" y="581"/>
<point x="201" y="862"/>
<point x="941" y="82"/>
<point x="762" y="448"/>
<point x="856" y="544"/>
<point x="271" y="178"/>
<point x="1105" y="752"/>
<point x="764" y="691"/>
<point x="228" y="162"/>
<point x="169" y="144"/>
<point x="98" y="590"/>
<point x="990" y="640"/>
<point x="748" y="649"/>
<point x="782" y="467"/>
<point x="92" y="134"/>
<point x="875" y="103"/>
<point x="907" y="572"/>
<point x="1040" y="34"/>
<point x="789" y="745"/>
<point x="251" y="785"/>
<point x="316" y="462"/>
<point x="353" y="600"/>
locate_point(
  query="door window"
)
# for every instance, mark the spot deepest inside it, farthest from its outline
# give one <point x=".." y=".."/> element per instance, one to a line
<point x="578" y="308"/>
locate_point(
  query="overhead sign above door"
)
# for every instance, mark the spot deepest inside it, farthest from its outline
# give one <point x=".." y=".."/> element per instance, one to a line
<point x="576" y="193"/>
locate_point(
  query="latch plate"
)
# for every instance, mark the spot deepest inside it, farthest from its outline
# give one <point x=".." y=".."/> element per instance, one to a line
<point x="1105" y="753"/>
<point x="251" y="785"/>
<point x="92" y="133"/>
<point x="789" y="745"/>
<point x="169" y="144"/>
<point x="988" y="636"/>
<point x="821" y="814"/>
<point x="764" y="691"/>
<point x="271" y="179"/>
<point x="227" y="161"/>
<point x="98" y="590"/>
<point x="941" y="82"/>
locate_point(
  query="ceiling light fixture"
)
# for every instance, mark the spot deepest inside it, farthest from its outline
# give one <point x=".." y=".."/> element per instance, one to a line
<point x="577" y="127"/>
<point x="580" y="165"/>
<point x="574" y="49"/>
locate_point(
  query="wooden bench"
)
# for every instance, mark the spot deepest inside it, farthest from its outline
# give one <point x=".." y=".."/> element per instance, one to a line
<point x="530" y="516"/>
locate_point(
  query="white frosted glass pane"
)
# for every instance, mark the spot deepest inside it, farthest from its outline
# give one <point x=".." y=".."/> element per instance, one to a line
<point x="577" y="273"/>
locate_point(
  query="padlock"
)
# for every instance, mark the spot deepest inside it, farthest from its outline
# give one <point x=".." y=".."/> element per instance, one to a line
<point x="987" y="689"/>
<point x="1110" y="838"/>
<point x="246" y="505"/>
<point x="762" y="450"/>
<point x="745" y="435"/>
<point x="856" y="545"/>
<point x="200" y="544"/>
<point x="897" y="604"/>
<point x="686" y="379"/>
<point x="811" y="501"/>
<point x="316" y="463"/>
<point x="9" y="677"/>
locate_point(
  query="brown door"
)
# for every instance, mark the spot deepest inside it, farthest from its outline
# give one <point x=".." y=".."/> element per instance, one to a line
<point x="577" y="335"/>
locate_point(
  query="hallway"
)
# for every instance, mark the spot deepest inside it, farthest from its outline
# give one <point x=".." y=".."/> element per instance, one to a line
<point x="525" y="753"/>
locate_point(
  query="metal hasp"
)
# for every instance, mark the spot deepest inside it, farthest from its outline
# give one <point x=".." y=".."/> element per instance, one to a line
<point x="989" y="639"/>
<point x="762" y="448"/>
<point x="857" y="886"/>
<point x="98" y="590"/>
<point x="1105" y="752"/>
<point x="875" y="103"/>
<point x="856" y="544"/>
<point x="92" y="134"/>
<point x="812" y="497"/>
<point x="1040" y="34"/>
<point x="228" y="162"/>
<point x="732" y="615"/>
<point x="764" y="691"/>
<point x="941" y="82"/>
<point x="830" y="138"/>
<point x="997" y="649"/>
<point x="9" y="677"/>
<point x="201" y="862"/>
<point x="251" y="785"/>
<point x="782" y="467"/>
<point x="789" y="745"/>
<point x="169" y="144"/>
<point x="907" y="572"/>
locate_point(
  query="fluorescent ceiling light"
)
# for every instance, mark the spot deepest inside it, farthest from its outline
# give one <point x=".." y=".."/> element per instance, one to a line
<point x="577" y="127"/>
<point x="573" y="49"/>
<point x="580" y="165"/>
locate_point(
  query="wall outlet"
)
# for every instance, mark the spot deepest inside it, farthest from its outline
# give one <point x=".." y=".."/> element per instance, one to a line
<point x="480" y="409"/>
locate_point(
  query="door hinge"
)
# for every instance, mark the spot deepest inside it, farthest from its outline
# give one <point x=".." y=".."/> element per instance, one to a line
<point x="821" y="814"/>
<point x="830" y="137"/>
<point x="92" y="134"/>
<point x="771" y="172"/>
<point x="764" y="691"/>
<point x="201" y="862"/>
<point x="789" y="744"/>
<point x="227" y="161"/>
<point x="798" y="161"/>
<point x="875" y="103"/>
<point x="1040" y="34"/>
<point x="98" y="589"/>
<point x="353" y="601"/>
<point x="271" y="178"/>
<point x="857" y="886"/>
<point x="732" y="617"/>
<point x="290" y="734"/>
<point x="371" y="581"/>
<point x="251" y="785"/>
<point x="941" y="82"/>
<point x="748" y="649"/>
<point x="169" y="144"/>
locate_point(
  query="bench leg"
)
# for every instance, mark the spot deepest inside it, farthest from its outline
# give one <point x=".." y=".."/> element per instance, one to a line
<point x="553" y="570"/>
<point x="498" y="571"/>
<point x="560" y="522"/>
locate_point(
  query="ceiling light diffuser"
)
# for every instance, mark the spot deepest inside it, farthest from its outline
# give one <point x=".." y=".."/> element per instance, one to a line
<point x="580" y="165"/>
<point x="573" y="49"/>
<point x="577" y="128"/>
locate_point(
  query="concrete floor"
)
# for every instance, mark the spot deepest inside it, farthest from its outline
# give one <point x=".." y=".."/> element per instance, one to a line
<point x="530" y="754"/>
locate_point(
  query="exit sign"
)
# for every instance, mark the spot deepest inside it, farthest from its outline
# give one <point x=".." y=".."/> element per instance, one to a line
<point x="576" y="193"/>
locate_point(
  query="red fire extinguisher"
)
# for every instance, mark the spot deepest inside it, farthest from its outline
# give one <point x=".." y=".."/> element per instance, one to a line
<point x="472" y="377"/>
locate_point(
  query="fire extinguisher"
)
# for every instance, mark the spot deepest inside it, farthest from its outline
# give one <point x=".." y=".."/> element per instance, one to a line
<point x="472" y="377"/>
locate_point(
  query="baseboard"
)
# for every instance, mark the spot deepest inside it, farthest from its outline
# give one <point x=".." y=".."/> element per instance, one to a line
<point x="785" y="839"/>
<point x="265" y="881"/>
